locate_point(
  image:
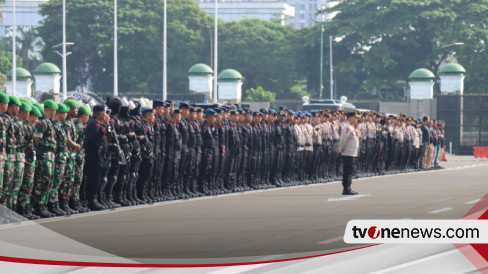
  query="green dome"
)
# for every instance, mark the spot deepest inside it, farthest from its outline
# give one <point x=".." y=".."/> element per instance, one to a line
<point x="47" y="69"/>
<point x="230" y="75"/>
<point x="452" y="68"/>
<point x="22" y="74"/>
<point x="421" y="74"/>
<point x="200" y="69"/>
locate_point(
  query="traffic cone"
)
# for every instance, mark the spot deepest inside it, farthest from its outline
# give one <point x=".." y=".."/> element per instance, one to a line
<point x="444" y="155"/>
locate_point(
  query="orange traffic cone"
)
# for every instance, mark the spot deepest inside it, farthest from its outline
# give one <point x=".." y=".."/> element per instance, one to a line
<point x="444" y="155"/>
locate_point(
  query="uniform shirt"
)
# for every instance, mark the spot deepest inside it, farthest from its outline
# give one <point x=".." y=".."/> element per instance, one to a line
<point x="10" y="128"/>
<point x="80" y="138"/>
<point x="19" y="135"/>
<point x="371" y="130"/>
<point x="317" y="134"/>
<point x="30" y="152"/>
<point x="45" y="131"/>
<point x="174" y="143"/>
<point x="2" y="137"/>
<point x="419" y="131"/>
<point x="425" y="134"/>
<point x="95" y="141"/>
<point x="349" y="141"/>
<point x="208" y="137"/>
<point x="335" y="130"/>
<point x="363" y="130"/>
<point x="308" y="130"/>
<point x="61" y="137"/>
<point x="415" y="136"/>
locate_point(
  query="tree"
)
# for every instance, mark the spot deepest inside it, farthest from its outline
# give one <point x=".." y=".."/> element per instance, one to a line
<point x="260" y="95"/>
<point x="29" y="46"/>
<point x="140" y="26"/>
<point x="266" y="53"/>
<point x="389" y="39"/>
<point x="6" y="65"/>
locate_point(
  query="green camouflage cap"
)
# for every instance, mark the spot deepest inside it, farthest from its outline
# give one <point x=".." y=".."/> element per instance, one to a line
<point x="85" y="110"/>
<point x="25" y="107"/>
<point x="51" y="104"/>
<point x="22" y="100"/>
<point x="71" y="103"/>
<point x="14" y="99"/>
<point x="62" y="108"/>
<point x="4" y="98"/>
<point x="39" y="107"/>
<point x="35" y="111"/>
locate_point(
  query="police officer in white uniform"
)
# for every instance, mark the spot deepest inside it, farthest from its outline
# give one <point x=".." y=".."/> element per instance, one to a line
<point x="348" y="148"/>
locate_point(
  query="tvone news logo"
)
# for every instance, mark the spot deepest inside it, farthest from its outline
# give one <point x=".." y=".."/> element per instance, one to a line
<point x="372" y="232"/>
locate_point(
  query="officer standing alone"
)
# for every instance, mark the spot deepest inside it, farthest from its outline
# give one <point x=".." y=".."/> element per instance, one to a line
<point x="348" y="148"/>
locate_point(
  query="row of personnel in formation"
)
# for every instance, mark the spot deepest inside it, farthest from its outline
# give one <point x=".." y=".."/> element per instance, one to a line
<point x="65" y="158"/>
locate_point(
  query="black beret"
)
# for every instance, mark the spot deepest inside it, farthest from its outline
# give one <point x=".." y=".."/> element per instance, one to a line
<point x="98" y="108"/>
<point x="184" y="105"/>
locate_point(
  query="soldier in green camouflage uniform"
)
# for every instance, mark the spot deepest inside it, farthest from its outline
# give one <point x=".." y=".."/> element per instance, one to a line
<point x="10" y="131"/>
<point x="61" y="157"/>
<point x="22" y="115"/>
<point x="45" y="146"/>
<point x="79" y="122"/>
<point x="3" y="108"/>
<point x="25" y="192"/>
<point x="73" y="147"/>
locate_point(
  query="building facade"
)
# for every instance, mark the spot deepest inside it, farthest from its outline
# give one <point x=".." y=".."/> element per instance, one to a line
<point x="297" y="13"/>
<point x="232" y="10"/>
<point x="27" y="14"/>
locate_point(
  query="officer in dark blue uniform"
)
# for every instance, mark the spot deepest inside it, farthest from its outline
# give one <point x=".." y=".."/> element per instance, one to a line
<point x="96" y="153"/>
<point x="174" y="145"/>
<point x="147" y="153"/>
<point x="209" y="152"/>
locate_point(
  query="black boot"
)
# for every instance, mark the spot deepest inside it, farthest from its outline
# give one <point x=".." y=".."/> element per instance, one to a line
<point x="54" y="208"/>
<point x="95" y="205"/>
<point x="349" y="191"/>
<point x="30" y="213"/>
<point x="63" y="205"/>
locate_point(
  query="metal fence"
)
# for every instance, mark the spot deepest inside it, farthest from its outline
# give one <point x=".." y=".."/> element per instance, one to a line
<point x="466" y="118"/>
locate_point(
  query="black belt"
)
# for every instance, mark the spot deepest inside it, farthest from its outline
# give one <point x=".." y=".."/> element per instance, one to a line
<point x="11" y="150"/>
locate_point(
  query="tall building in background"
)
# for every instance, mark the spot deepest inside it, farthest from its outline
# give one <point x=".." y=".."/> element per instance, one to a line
<point x="305" y="12"/>
<point x="27" y="14"/>
<point x="235" y="10"/>
<point x="297" y="13"/>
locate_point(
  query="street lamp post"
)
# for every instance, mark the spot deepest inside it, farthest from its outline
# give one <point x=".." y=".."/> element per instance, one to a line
<point x="321" y="58"/>
<point x="331" y="70"/>
<point x="14" y="50"/>
<point x="215" y="52"/>
<point x="211" y="46"/>
<point x="65" y="81"/>
<point x="116" y="62"/>
<point x="165" y="78"/>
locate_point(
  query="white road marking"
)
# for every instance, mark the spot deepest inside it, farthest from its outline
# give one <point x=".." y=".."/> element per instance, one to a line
<point x="414" y="262"/>
<point x="329" y="241"/>
<point x="237" y="269"/>
<point x="347" y="198"/>
<point x="472" y="202"/>
<point x="440" y="210"/>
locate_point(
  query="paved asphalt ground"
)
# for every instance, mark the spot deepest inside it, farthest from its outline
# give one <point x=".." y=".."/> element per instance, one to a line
<point x="278" y="223"/>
